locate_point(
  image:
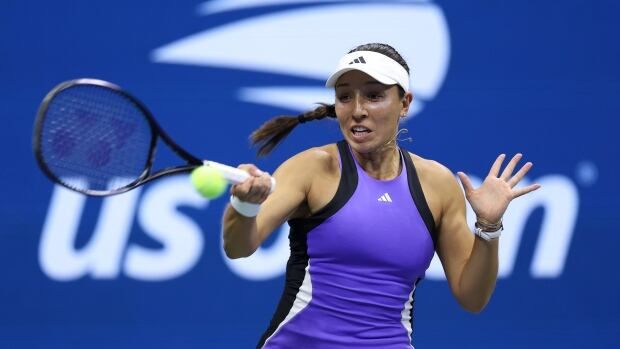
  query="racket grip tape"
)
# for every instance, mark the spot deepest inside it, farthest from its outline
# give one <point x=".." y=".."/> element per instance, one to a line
<point x="233" y="174"/>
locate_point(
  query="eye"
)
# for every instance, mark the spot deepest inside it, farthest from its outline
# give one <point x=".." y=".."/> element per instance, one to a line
<point x="343" y="97"/>
<point x="375" y="95"/>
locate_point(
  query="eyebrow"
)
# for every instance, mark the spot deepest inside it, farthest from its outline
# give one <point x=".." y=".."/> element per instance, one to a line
<point x="372" y="82"/>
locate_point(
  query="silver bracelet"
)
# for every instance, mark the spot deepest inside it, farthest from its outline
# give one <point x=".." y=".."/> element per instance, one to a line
<point x="246" y="209"/>
<point x="488" y="235"/>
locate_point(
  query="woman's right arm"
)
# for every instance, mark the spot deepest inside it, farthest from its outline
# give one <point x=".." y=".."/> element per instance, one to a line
<point x="243" y="235"/>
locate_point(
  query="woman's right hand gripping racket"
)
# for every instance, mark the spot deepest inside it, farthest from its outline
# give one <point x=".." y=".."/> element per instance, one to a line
<point x="92" y="137"/>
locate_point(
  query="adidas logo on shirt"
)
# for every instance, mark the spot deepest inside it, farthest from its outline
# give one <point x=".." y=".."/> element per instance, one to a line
<point x="385" y="198"/>
<point x="359" y="59"/>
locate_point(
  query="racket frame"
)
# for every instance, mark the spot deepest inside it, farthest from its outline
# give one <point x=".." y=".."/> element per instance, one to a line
<point x="156" y="132"/>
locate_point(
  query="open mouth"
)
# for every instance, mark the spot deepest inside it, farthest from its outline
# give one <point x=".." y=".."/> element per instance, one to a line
<point x="360" y="131"/>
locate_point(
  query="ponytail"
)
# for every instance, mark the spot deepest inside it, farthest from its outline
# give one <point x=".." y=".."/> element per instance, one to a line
<point x="274" y="130"/>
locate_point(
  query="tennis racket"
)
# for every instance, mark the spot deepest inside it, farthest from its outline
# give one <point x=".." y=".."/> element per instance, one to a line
<point x="94" y="138"/>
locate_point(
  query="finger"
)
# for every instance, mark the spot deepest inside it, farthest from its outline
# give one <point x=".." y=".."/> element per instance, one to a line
<point x="520" y="174"/>
<point x="242" y="190"/>
<point x="253" y="197"/>
<point x="268" y="181"/>
<point x="245" y="167"/>
<point x="254" y="171"/>
<point x="265" y="180"/>
<point x="467" y="186"/>
<point x="251" y="169"/>
<point x="264" y="177"/>
<point x="261" y="187"/>
<point x="257" y="196"/>
<point x="511" y="167"/>
<point x="264" y="196"/>
<point x="494" y="171"/>
<point x="237" y="191"/>
<point x="525" y="190"/>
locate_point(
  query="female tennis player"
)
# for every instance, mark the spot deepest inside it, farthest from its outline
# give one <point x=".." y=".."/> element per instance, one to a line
<point x="367" y="216"/>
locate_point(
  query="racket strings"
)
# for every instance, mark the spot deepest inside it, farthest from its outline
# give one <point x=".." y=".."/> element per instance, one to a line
<point x="94" y="138"/>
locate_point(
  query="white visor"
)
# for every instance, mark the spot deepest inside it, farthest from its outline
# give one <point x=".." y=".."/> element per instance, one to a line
<point x="380" y="67"/>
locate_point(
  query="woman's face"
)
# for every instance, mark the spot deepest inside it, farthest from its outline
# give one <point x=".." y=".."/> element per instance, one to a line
<point x="368" y="112"/>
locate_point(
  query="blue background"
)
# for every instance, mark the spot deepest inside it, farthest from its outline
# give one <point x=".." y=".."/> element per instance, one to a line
<point x="537" y="77"/>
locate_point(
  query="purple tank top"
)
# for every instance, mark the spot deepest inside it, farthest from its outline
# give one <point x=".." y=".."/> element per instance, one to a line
<point x="355" y="264"/>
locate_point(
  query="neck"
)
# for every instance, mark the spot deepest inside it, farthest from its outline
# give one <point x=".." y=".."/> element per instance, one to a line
<point x="383" y="164"/>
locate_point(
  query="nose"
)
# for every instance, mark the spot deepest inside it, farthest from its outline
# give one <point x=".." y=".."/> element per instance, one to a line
<point x="359" y="110"/>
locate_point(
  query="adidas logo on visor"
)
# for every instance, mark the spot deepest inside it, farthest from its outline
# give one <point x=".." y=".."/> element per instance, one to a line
<point x="359" y="59"/>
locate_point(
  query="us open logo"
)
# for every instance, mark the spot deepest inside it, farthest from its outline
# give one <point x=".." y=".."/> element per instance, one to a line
<point x="303" y="42"/>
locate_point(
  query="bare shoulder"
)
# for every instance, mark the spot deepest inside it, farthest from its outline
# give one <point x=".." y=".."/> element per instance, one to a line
<point x="323" y="156"/>
<point x="432" y="171"/>
<point x="314" y="159"/>
<point x="303" y="168"/>
<point x="314" y="174"/>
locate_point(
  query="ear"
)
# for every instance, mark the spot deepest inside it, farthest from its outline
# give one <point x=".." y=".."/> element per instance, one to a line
<point x="406" y="102"/>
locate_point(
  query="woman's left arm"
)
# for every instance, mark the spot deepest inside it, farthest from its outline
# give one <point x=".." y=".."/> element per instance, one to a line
<point x="470" y="262"/>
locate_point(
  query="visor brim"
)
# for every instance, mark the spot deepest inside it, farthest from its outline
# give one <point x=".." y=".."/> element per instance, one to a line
<point x="333" y="79"/>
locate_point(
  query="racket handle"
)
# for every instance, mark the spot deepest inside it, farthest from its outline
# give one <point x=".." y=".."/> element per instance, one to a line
<point x="233" y="174"/>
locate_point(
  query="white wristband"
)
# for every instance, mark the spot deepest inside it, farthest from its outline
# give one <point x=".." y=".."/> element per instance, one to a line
<point x="246" y="209"/>
<point x="488" y="235"/>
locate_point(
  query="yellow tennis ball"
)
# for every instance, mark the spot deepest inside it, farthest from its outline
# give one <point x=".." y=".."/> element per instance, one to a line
<point x="208" y="181"/>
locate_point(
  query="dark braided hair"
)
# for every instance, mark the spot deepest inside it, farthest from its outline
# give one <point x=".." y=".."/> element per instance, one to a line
<point x="272" y="132"/>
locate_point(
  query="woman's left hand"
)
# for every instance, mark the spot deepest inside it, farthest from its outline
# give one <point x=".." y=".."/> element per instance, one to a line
<point x="491" y="199"/>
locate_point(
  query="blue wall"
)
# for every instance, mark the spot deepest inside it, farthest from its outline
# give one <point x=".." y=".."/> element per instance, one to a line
<point x="145" y="269"/>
